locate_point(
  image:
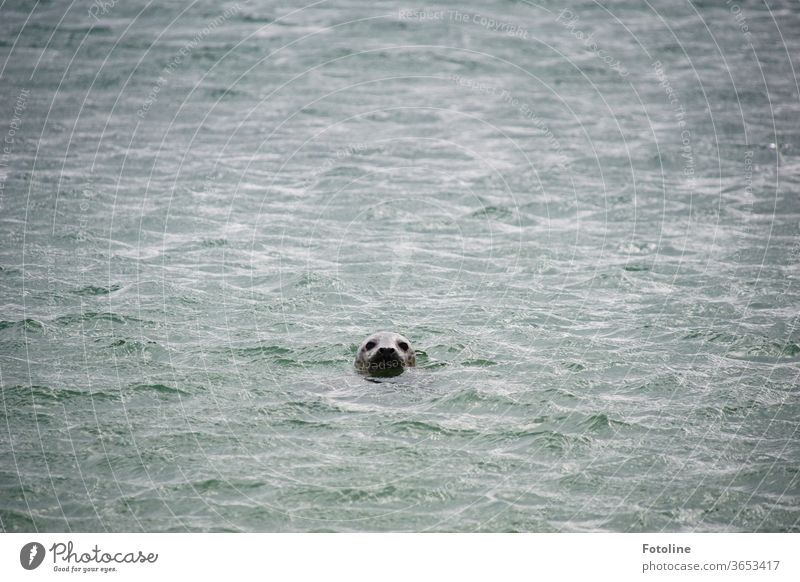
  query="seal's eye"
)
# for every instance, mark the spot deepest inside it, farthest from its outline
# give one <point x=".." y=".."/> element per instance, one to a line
<point x="369" y="346"/>
<point x="403" y="346"/>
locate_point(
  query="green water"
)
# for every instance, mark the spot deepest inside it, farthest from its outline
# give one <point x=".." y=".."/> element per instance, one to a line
<point x="593" y="246"/>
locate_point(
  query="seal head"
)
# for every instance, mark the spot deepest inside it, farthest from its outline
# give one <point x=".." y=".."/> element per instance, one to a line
<point x="385" y="354"/>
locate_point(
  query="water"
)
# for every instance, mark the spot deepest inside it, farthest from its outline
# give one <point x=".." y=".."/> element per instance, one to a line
<point x="591" y="241"/>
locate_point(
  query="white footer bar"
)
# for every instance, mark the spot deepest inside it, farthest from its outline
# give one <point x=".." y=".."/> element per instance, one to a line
<point x="378" y="557"/>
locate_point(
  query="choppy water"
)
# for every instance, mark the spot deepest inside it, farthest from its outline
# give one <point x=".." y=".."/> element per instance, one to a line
<point x="592" y="242"/>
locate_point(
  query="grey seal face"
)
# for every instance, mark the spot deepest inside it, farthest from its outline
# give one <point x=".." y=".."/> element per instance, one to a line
<point x="385" y="354"/>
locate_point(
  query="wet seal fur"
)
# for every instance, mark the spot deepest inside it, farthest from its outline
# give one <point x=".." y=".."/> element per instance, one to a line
<point x="385" y="353"/>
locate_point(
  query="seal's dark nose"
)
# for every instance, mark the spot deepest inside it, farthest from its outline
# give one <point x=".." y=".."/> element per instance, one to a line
<point x="387" y="351"/>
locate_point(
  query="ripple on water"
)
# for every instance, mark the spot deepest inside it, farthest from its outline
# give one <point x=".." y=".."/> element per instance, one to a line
<point x="96" y="290"/>
<point x="24" y="325"/>
<point x="602" y="347"/>
<point x="93" y="317"/>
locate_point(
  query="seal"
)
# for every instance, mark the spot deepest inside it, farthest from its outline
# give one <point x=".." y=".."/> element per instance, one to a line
<point x="385" y="353"/>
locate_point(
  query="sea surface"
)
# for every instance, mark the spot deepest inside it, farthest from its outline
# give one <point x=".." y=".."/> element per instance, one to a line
<point x="585" y="217"/>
